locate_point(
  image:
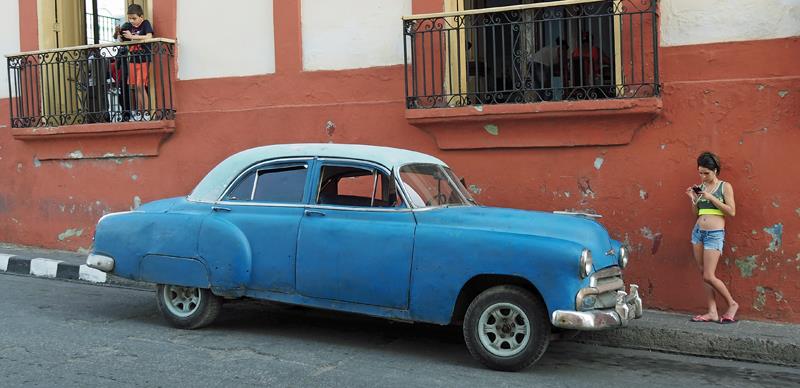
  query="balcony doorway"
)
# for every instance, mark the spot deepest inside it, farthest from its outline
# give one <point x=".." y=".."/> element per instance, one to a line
<point x="543" y="54"/>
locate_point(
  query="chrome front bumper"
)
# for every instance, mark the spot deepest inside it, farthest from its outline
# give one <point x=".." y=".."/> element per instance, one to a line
<point x="101" y="262"/>
<point x="628" y="306"/>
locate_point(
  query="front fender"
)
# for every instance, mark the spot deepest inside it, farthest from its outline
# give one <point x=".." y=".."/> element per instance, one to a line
<point x="441" y="270"/>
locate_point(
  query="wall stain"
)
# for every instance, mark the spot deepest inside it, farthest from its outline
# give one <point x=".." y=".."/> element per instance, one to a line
<point x="776" y="231"/>
<point x="69" y="233"/>
<point x="747" y="266"/>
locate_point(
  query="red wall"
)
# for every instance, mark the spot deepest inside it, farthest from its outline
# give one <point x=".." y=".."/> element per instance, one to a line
<point x="721" y="97"/>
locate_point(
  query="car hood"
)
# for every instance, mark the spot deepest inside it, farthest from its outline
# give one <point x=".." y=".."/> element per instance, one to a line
<point x="577" y="229"/>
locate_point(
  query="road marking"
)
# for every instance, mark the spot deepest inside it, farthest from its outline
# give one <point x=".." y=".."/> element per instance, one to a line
<point x="91" y="274"/>
<point x="44" y="267"/>
<point x="4" y="261"/>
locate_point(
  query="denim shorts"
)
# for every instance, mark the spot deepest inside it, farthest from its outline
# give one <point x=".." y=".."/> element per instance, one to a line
<point x="711" y="239"/>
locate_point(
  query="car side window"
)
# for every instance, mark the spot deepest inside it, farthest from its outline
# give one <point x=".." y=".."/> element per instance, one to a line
<point x="284" y="184"/>
<point x="243" y="191"/>
<point x="355" y="186"/>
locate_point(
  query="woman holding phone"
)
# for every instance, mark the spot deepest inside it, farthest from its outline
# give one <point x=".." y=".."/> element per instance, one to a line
<point x="712" y="201"/>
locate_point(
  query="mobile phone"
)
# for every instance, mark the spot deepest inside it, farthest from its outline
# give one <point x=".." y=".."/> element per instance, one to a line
<point x="697" y="189"/>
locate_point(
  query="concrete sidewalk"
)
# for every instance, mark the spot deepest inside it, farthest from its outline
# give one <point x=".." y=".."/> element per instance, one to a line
<point x="658" y="331"/>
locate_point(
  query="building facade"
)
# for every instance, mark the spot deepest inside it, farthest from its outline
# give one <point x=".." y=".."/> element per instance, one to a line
<point x="569" y="105"/>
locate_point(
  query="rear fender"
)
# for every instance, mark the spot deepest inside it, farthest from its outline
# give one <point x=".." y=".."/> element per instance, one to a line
<point x="227" y="254"/>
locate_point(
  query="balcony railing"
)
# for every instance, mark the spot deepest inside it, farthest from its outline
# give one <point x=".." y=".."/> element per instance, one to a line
<point x="92" y="84"/>
<point x="549" y="51"/>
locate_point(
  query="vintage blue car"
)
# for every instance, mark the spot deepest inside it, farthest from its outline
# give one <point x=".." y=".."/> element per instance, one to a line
<point x="377" y="231"/>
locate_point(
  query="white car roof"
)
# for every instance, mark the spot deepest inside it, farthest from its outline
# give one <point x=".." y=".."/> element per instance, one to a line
<point x="215" y="182"/>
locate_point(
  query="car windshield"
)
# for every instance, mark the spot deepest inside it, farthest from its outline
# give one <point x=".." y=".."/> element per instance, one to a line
<point x="430" y="185"/>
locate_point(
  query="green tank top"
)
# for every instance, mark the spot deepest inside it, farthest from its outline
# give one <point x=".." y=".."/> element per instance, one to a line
<point x="705" y="206"/>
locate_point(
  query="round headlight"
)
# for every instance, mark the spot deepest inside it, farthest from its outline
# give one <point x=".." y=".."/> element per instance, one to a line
<point x="623" y="257"/>
<point x="586" y="263"/>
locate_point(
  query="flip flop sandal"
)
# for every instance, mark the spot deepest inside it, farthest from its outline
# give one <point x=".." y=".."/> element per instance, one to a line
<point x="726" y="319"/>
<point x="700" y="319"/>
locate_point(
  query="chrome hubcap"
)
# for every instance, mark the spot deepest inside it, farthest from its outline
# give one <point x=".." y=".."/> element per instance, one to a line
<point x="181" y="301"/>
<point x="504" y="329"/>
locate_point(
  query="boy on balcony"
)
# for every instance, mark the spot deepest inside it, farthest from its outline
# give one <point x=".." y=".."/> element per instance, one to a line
<point x="139" y="62"/>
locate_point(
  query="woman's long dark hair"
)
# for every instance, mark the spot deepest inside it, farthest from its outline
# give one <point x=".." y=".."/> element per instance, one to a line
<point x="709" y="161"/>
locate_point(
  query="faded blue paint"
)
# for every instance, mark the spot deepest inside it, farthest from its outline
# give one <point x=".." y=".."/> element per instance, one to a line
<point x="776" y="231"/>
<point x="160" y="269"/>
<point x="396" y="263"/>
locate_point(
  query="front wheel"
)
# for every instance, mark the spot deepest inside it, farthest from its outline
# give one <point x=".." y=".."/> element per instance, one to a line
<point x="506" y="328"/>
<point x="187" y="307"/>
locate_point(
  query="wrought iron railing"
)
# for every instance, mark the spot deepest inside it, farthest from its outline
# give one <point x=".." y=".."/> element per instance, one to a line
<point x="92" y="84"/>
<point x="103" y="29"/>
<point x="550" y="51"/>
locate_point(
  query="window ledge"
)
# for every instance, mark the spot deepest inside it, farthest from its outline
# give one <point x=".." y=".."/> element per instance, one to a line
<point x="97" y="141"/>
<point x="544" y="124"/>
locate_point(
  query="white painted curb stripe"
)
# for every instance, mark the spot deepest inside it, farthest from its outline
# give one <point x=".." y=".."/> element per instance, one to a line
<point x="4" y="261"/>
<point x="44" y="267"/>
<point x="91" y="274"/>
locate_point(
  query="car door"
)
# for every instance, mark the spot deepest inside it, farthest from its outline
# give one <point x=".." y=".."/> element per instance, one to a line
<point x="356" y="237"/>
<point x="266" y="204"/>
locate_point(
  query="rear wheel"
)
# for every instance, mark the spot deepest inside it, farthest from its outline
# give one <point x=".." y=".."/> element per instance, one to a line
<point x="187" y="307"/>
<point x="506" y="328"/>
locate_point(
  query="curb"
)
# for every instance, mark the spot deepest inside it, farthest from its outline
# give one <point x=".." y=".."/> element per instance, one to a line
<point x="49" y="268"/>
<point x="749" y="348"/>
<point x="58" y="269"/>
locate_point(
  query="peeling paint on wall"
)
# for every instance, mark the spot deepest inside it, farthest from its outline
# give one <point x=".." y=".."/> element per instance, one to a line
<point x="69" y="233"/>
<point x="134" y="177"/>
<point x="585" y="187"/>
<point x="77" y="154"/>
<point x="19" y="169"/>
<point x="747" y="266"/>
<point x="475" y="189"/>
<point x="761" y="299"/>
<point x="598" y="162"/>
<point x="330" y="128"/>
<point x="783" y="93"/>
<point x="36" y="162"/>
<point x="136" y="202"/>
<point x="642" y="195"/>
<point x="776" y="231"/>
<point x="478" y="108"/>
<point x="492" y="129"/>
<point x="66" y="165"/>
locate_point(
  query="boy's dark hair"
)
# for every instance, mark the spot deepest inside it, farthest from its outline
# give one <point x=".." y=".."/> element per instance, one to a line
<point x="709" y="161"/>
<point x="135" y="9"/>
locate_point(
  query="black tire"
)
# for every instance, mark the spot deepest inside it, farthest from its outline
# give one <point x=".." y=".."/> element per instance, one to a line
<point x="539" y="328"/>
<point x="197" y="314"/>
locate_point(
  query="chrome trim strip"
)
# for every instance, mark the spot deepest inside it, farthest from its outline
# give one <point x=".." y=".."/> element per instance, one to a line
<point x="323" y="207"/>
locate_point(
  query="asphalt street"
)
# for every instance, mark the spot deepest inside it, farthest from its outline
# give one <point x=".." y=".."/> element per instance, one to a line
<point x="69" y="334"/>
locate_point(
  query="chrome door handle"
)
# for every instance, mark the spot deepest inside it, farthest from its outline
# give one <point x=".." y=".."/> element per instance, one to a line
<point x="220" y="209"/>
<point x="314" y="213"/>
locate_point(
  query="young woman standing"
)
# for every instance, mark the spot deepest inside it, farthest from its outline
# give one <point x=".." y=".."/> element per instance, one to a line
<point x="711" y="202"/>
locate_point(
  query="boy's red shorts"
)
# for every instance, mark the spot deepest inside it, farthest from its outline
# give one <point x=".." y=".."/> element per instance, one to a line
<point x="139" y="73"/>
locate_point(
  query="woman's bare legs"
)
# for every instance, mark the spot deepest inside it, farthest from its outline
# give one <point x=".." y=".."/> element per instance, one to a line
<point x="710" y="260"/>
<point x="712" y="314"/>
